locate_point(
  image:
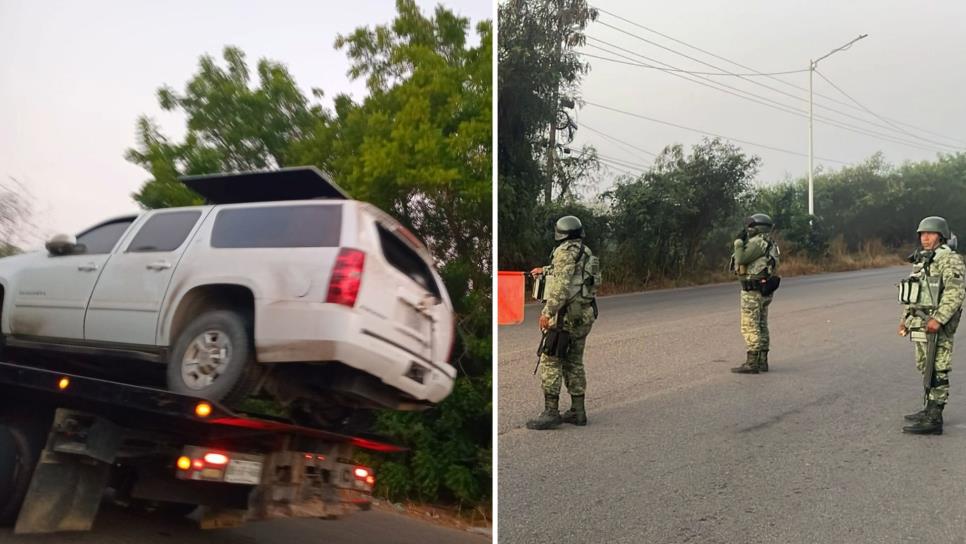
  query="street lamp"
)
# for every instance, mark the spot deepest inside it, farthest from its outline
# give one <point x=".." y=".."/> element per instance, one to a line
<point x="812" y="64"/>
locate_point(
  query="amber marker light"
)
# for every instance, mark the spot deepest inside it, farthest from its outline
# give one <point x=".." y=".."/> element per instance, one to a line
<point x="184" y="463"/>
<point x="64" y="383"/>
<point x="203" y="409"/>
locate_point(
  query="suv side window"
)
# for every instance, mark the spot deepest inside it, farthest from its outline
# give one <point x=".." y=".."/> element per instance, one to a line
<point x="407" y="261"/>
<point x="278" y="226"/>
<point x="102" y="238"/>
<point x="164" y="232"/>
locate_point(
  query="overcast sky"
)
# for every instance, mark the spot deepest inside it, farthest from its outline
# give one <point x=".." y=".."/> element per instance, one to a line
<point x="75" y="76"/>
<point x="909" y="69"/>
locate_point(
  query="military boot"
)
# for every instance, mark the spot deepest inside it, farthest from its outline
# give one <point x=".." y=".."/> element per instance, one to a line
<point x="576" y="415"/>
<point x="550" y="417"/>
<point x="931" y="423"/>
<point x="763" y="361"/>
<point x="750" y="366"/>
<point x="916" y="416"/>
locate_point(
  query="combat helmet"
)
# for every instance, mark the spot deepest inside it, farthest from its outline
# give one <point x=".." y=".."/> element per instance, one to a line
<point x="760" y="220"/>
<point x="568" y="226"/>
<point x="934" y="223"/>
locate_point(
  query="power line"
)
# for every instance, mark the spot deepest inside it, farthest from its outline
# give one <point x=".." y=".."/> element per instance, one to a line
<point x="766" y="101"/>
<point x="692" y="72"/>
<point x="783" y="82"/>
<point x="622" y="170"/>
<point x="699" y="131"/>
<point x="617" y="140"/>
<point x="870" y="112"/>
<point x="625" y="162"/>
<point x="839" y="124"/>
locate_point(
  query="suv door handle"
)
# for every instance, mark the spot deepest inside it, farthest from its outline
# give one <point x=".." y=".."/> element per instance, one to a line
<point x="89" y="267"/>
<point x="159" y="265"/>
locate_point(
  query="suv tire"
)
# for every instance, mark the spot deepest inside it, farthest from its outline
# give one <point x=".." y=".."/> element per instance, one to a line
<point x="20" y="445"/>
<point x="213" y="358"/>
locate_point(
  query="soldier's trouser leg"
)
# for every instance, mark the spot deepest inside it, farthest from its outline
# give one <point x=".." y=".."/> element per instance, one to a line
<point x="551" y="375"/>
<point x="754" y="320"/>
<point x="939" y="393"/>
<point x="573" y="368"/>
<point x="570" y="369"/>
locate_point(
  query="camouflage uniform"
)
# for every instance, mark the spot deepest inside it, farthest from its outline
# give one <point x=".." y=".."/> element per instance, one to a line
<point x="753" y="261"/>
<point x="563" y="286"/>
<point x="572" y="280"/>
<point x="949" y="266"/>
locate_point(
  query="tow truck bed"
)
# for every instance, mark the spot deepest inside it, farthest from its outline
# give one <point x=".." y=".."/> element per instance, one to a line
<point x="72" y="437"/>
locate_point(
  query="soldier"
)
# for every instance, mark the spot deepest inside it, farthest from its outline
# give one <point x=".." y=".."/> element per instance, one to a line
<point x="933" y="297"/>
<point x="755" y="261"/>
<point x="572" y="280"/>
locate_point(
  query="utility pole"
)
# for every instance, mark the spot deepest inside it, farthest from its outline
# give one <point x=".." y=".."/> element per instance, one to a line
<point x="552" y="147"/>
<point x="812" y="64"/>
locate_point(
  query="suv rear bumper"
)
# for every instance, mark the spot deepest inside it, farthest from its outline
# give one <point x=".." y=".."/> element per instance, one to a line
<point x="289" y="332"/>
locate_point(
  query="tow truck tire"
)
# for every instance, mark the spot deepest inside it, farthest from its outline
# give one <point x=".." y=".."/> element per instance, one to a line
<point x="213" y="358"/>
<point x="18" y="456"/>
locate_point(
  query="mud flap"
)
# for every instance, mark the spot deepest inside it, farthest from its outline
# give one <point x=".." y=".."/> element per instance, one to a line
<point x="68" y="482"/>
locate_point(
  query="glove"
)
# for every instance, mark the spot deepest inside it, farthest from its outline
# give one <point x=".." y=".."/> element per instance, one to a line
<point x="544" y="322"/>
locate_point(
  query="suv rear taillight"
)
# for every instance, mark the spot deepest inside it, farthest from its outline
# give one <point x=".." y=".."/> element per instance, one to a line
<point x="346" y="277"/>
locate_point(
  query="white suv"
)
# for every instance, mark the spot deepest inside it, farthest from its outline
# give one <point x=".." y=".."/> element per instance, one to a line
<point x="281" y="286"/>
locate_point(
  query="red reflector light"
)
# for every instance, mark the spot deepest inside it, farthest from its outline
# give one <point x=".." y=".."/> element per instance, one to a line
<point x="308" y="455"/>
<point x="198" y="464"/>
<point x="216" y="459"/>
<point x="362" y="473"/>
<point x="370" y="480"/>
<point x="346" y="277"/>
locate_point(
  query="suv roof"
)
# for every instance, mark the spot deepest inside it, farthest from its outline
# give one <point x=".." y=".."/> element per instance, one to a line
<point x="296" y="183"/>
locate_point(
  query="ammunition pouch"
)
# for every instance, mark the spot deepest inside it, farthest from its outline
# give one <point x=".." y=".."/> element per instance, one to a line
<point x="924" y="291"/>
<point x="909" y="290"/>
<point x="766" y="286"/>
<point x="556" y="343"/>
<point x="753" y="284"/>
<point x="770" y="285"/>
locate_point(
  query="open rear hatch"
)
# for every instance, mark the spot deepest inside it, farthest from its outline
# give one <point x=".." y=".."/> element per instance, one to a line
<point x="296" y="183"/>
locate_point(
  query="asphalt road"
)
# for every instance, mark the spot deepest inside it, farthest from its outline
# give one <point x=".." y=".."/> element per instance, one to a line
<point x="679" y="449"/>
<point x="118" y="526"/>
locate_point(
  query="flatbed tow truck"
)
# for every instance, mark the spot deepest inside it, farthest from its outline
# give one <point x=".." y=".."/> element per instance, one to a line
<point x="69" y="442"/>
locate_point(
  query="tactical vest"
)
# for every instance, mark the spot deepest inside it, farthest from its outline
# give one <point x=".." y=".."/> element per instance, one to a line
<point x="766" y="265"/>
<point x="923" y="288"/>
<point x="585" y="282"/>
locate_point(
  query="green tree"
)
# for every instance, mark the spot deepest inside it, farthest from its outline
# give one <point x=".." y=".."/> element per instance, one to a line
<point x="661" y="220"/>
<point x="231" y="126"/>
<point x="538" y="67"/>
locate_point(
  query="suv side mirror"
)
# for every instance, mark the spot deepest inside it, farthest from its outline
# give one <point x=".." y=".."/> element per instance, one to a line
<point x="62" y="244"/>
